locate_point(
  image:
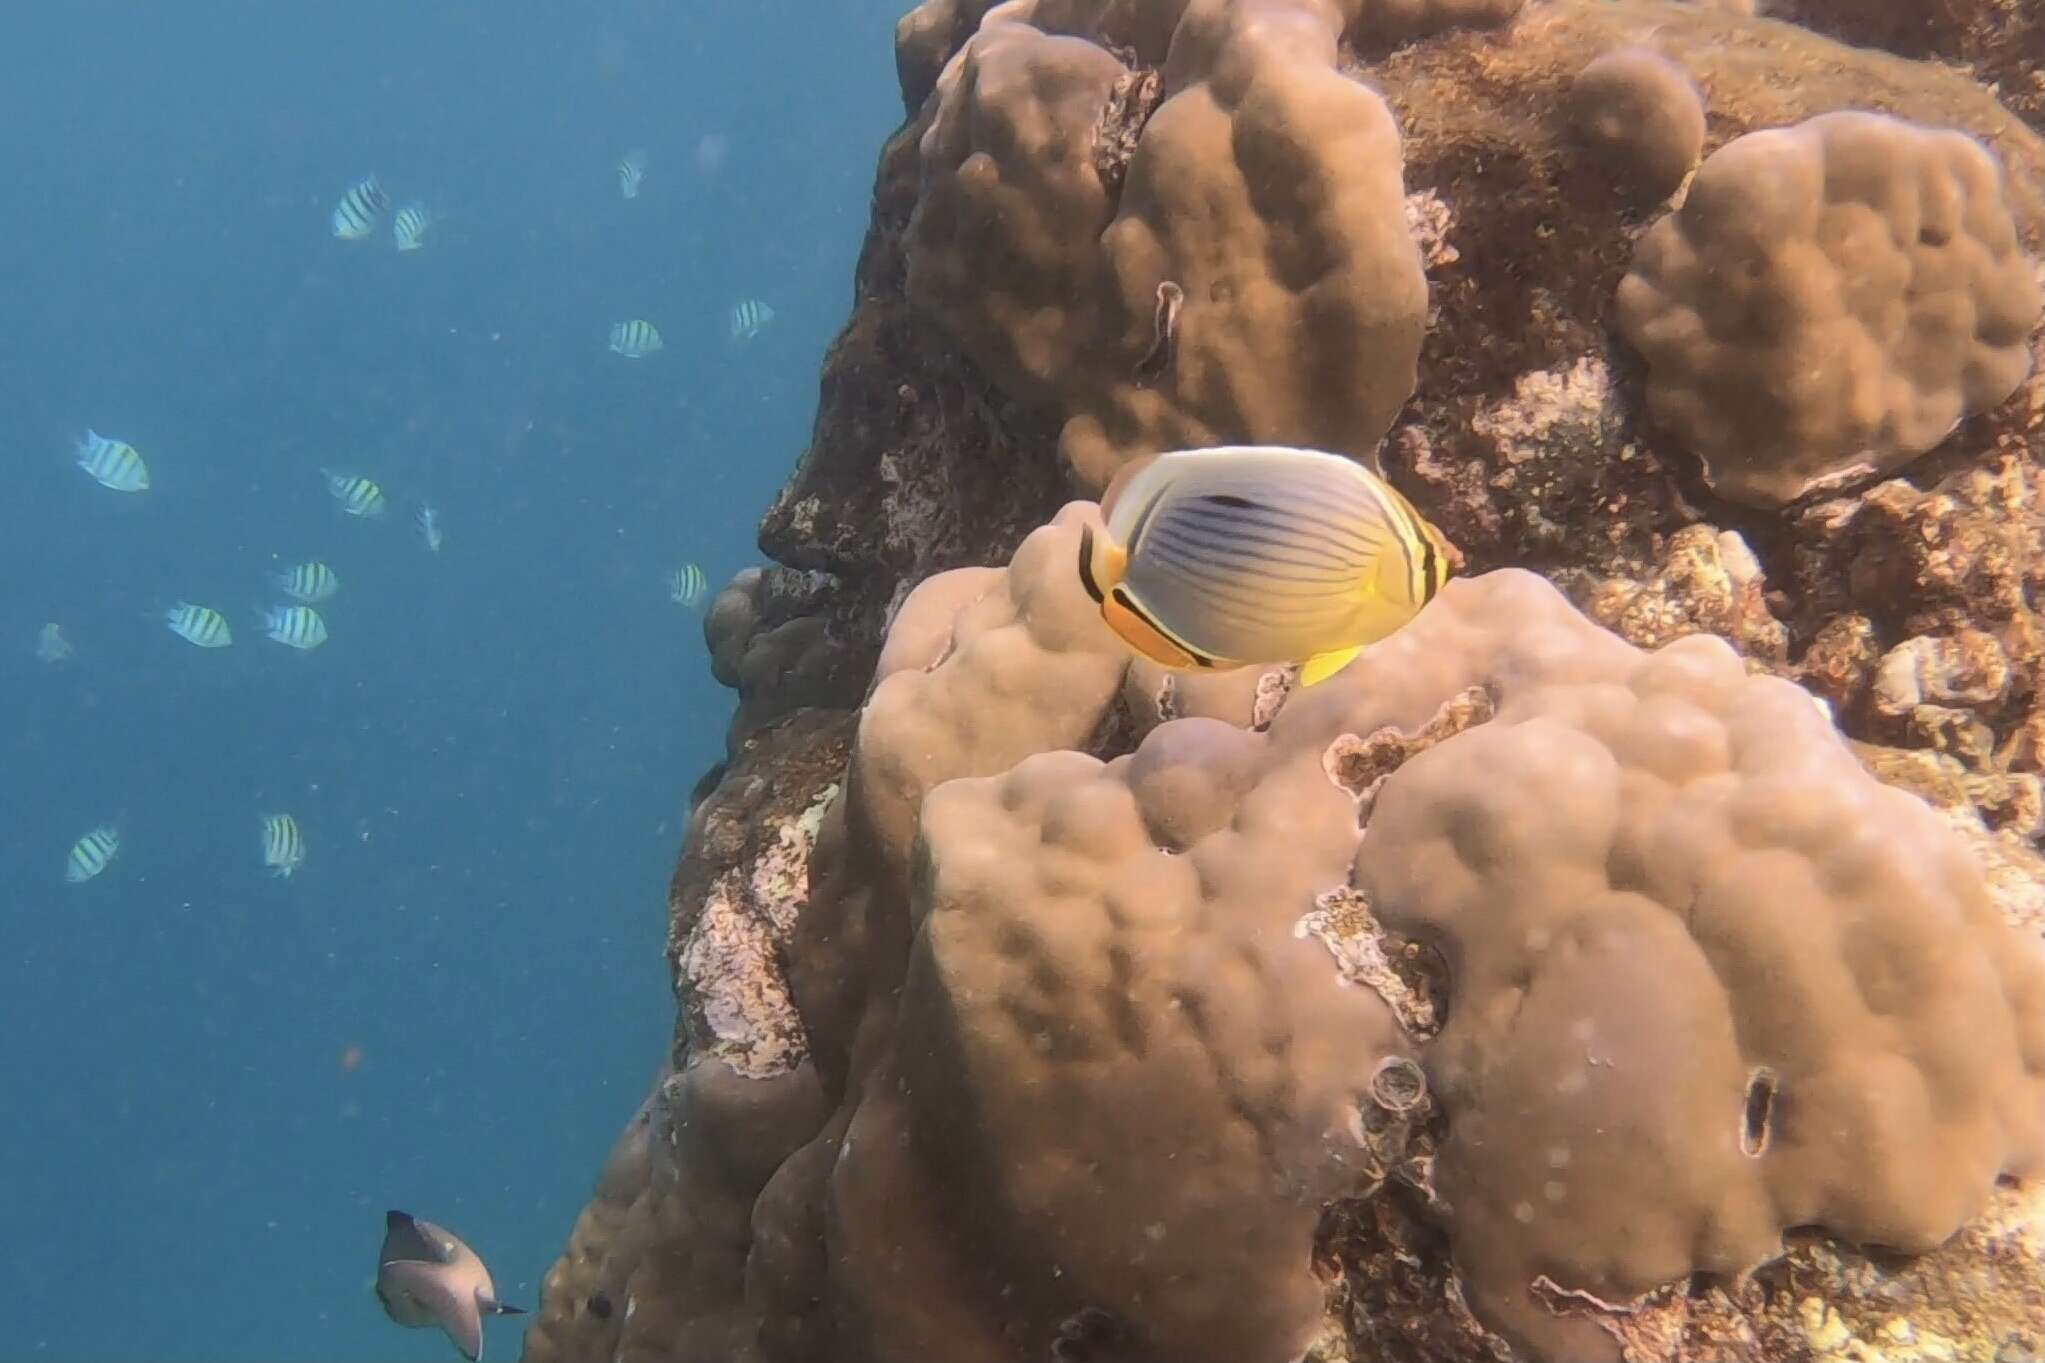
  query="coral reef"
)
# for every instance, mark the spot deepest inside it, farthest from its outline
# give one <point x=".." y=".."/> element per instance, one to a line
<point x="1638" y="956"/>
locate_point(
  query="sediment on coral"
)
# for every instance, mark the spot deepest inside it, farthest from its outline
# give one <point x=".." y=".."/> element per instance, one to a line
<point x="1035" y="1001"/>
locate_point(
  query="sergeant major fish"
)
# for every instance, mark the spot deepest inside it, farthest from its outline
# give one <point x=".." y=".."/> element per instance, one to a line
<point x="410" y="226"/>
<point x="425" y="1276"/>
<point x="307" y="582"/>
<point x="283" y="844"/>
<point x="361" y="209"/>
<point x="748" y="318"/>
<point x="357" y="495"/>
<point x="91" y="853"/>
<point x="686" y="585"/>
<point x="112" y="463"/>
<point x="298" y="626"/>
<point x="635" y="339"/>
<point x="1242" y="554"/>
<point x="201" y="625"/>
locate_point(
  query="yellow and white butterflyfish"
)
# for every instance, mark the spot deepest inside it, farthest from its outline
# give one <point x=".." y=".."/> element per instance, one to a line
<point x="631" y="173"/>
<point x="357" y="495"/>
<point x="112" y="463"/>
<point x="410" y="225"/>
<point x="307" y="582"/>
<point x="298" y="626"/>
<point x="201" y="625"/>
<point x="91" y="853"/>
<point x="283" y="844"/>
<point x="361" y="209"/>
<point x="1246" y="554"/>
<point x="636" y="339"/>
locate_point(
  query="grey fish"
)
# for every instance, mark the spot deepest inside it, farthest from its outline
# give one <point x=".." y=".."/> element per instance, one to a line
<point x="425" y="1276"/>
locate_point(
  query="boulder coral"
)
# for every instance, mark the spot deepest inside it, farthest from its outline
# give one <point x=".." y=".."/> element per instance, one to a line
<point x="1642" y="115"/>
<point x="1250" y="181"/>
<point x="1640" y="956"/>
<point x="1829" y="302"/>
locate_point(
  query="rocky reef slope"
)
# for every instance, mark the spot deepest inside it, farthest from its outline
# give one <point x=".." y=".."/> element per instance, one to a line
<point x="1639" y="956"/>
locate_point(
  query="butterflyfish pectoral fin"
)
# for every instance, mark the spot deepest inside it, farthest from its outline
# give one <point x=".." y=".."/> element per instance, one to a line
<point x="1322" y="666"/>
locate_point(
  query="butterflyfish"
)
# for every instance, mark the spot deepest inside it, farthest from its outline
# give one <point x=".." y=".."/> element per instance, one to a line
<point x="1246" y="554"/>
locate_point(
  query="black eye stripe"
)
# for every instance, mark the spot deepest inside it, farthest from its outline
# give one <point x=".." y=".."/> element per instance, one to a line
<point x="1086" y="566"/>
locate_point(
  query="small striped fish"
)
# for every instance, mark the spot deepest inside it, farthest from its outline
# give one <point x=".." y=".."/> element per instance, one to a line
<point x="1218" y="558"/>
<point x="686" y="585"/>
<point x="298" y="626"/>
<point x="428" y="521"/>
<point x="635" y="339"/>
<point x="307" y="582"/>
<point x="357" y="495"/>
<point x="748" y="318"/>
<point x="631" y="173"/>
<point x="283" y="844"/>
<point x="361" y="209"/>
<point x="112" y="463"/>
<point x="410" y="226"/>
<point x="91" y="853"/>
<point x="201" y="625"/>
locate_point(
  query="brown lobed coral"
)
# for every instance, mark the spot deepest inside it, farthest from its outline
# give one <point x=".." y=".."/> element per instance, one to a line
<point x="1259" y="188"/>
<point x="1829" y="302"/>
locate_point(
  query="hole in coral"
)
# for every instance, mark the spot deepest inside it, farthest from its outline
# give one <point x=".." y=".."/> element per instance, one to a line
<point x="1929" y="235"/>
<point x="1398" y="1084"/>
<point x="1754" y="1125"/>
<point x="600" y="1306"/>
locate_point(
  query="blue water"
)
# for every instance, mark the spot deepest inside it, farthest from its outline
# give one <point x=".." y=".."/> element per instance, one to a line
<point x="490" y="757"/>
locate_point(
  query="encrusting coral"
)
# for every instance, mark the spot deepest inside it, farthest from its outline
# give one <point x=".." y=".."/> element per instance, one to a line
<point x="1559" y="982"/>
<point x="1829" y="302"/>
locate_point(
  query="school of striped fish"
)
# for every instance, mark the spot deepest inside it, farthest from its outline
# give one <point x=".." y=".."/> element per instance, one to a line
<point x="365" y="210"/>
